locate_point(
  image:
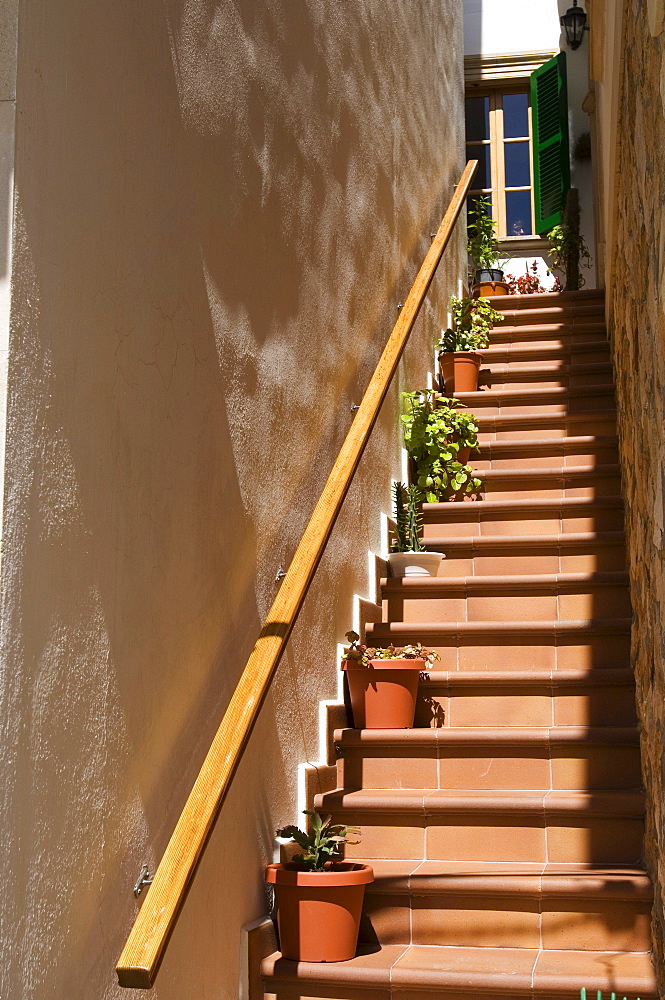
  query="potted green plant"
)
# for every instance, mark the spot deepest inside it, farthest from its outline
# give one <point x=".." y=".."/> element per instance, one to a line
<point x="459" y="346"/>
<point x="568" y="254"/>
<point x="483" y="251"/>
<point x="439" y="434"/>
<point x="383" y="683"/>
<point x="318" y="896"/>
<point x="408" y="556"/>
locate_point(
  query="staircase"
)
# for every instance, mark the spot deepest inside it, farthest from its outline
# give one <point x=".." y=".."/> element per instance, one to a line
<point x="506" y="832"/>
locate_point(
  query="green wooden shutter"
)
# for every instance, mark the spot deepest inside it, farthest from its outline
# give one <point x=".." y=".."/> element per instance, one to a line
<point x="551" y="158"/>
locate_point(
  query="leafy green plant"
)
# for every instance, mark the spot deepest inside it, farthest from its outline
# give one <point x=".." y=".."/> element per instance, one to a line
<point x="569" y="252"/>
<point x="483" y="246"/>
<point x="472" y="321"/>
<point x="408" y="518"/>
<point x="358" y="651"/>
<point x="321" y="845"/>
<point x="435" y="428"/>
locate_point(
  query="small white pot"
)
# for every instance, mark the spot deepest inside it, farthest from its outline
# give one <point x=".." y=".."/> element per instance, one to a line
<point x="414" y="563"/>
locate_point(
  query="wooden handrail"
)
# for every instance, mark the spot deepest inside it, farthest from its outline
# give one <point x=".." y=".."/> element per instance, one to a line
<point x="140" y="958"/>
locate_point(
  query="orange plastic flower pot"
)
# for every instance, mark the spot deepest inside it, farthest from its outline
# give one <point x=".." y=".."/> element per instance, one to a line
<point x="318" y="913"/>
<point x="383" y="694"/>
<point x="459" y="370"/>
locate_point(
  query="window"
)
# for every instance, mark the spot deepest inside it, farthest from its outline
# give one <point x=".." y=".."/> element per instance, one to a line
<point x="498" y="135"/>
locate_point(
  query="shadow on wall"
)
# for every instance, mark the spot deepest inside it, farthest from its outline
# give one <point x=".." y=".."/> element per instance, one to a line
<point x="206" y="248"/>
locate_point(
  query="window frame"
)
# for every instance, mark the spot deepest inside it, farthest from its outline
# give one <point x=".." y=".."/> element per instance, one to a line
<point x="495" y="91"/>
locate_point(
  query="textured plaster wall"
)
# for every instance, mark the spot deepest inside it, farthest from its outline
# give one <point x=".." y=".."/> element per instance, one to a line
<point x="637" y="310"/>
<point x="218" y="207"/>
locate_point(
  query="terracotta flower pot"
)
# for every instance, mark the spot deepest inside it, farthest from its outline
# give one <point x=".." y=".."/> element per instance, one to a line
<point x="414" y="563"/>
<point x="459" y="370"/>
<point x="318" y="913"/>
<point x="383" y="694"/>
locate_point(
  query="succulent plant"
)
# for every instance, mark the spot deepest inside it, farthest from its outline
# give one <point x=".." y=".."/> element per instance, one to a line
<point x="322" y="844"/>
<point x="358" y="651"/>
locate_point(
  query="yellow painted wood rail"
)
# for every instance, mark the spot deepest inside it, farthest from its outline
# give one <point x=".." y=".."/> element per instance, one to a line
<point x="141" y="956"/>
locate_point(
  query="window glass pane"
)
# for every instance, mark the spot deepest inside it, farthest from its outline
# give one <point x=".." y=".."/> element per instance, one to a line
<point x="515" y="115"/>
<point x="471" y="203"/>
<point x="518" y="168"/>
<point x="483" y="175"/>
<point x="477" y="118"/>
<point x="518" y="213"/>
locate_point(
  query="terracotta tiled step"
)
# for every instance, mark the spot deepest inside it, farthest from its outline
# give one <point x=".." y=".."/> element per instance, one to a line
<point x="457" y="904"/>
<point x="569" y="313"/>
<point x="545" y="376"/>
<point x="567" y="300"/>
<point x="536" y="597"/>
<point x="420" y="972"/>
<point x="528" y="354"/>
<point x="555" y="827"/>
<point x="575" y="399"/>
<point x="559" y="334"/>
<point x="523" y="515"/>
<point x="570" y="552"/>
<point x="522" y="426"/>
<point x="585" y="449"/>
<point x="489" y="759"/>
<point x="527" y="698"/>
<point x="579" y="480"/>
<point x="515" y="645"/>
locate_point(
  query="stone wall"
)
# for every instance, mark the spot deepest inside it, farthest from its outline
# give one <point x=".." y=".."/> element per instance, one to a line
<point x="637" y="322"/>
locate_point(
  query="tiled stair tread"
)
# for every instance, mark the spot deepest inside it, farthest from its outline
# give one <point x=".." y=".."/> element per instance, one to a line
<point x="432" y="802"/>
<point x="564" y="678"/>
<point x="552" y="394"/>
<point x="535" y="582"/>
<point x="566" y="505"/>
<point x="467" y="736"/>
<point x="507" y="878"/>
<point x="588" y="626"/>
<point x="511" y="543"/>
<point x="450" y="971"/>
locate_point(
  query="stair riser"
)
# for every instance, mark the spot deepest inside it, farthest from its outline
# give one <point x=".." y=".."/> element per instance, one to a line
<point x="465" y="521"/>
<point x="549" y="487"/>
<point x="551" y="337"/>
<point x="492" y="768"/>
<point x="478" y="707"/>
<point x="591" y="312"/>
<point x="493" y="921"/>
<point x="522" y="652"/>
<point x="495" y="837"/>
<point x="520" y="561"/>
<point x="485" y="405"/>
<point x="529" y="379"/>
<point x="600" y="602"/>
<point x="551" y="426"/>
<point x="544" y="456"/>
<point x="526" y="355"/>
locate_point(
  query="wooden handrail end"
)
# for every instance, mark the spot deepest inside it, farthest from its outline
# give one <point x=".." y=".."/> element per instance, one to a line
<point x="134" y="978"/>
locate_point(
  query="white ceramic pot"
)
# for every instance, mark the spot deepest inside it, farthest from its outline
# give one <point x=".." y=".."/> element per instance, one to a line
<point x="414" y="563"/>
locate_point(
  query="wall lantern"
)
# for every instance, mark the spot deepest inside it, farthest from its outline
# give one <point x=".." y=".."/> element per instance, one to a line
<point x="574" y="21"/>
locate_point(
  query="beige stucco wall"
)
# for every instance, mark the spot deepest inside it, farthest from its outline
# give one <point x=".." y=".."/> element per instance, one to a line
<point x="218" y="207"/>
<point x="637" y="314"/>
